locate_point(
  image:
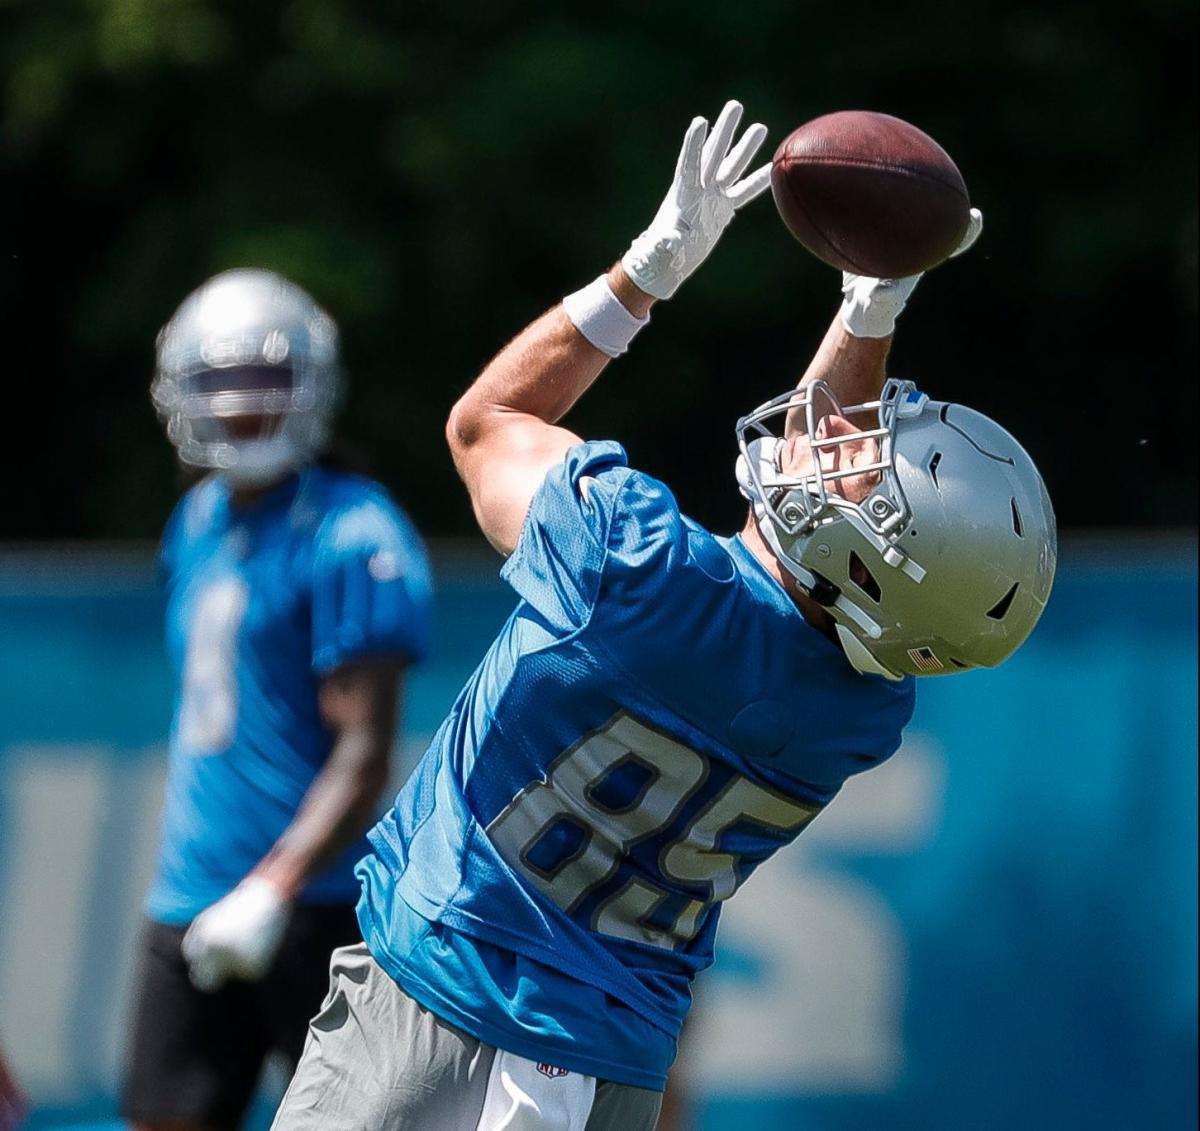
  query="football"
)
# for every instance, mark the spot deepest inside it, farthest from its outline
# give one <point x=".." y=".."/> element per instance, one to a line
<point x="869" y="193"/>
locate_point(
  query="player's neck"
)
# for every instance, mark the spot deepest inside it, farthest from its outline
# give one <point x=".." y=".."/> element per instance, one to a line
<point x="818" y="617"/>
<point x="244" y="497"/>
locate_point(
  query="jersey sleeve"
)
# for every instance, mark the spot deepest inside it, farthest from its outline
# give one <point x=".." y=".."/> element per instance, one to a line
<point x="593" y="518"/>
<point x="560" y="554"/>
<point x="371" y="588"/>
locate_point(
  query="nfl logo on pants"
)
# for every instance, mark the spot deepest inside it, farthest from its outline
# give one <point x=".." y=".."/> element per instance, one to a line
<point x="551" y="1070"/>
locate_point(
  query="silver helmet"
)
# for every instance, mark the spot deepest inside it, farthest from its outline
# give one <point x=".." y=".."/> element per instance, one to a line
<point x="247" y="343"/>
<point x="945" y="565"/>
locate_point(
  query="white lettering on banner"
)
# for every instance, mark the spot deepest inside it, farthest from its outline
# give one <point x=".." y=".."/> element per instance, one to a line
<point x="142" y="781"/>
<point x="822" y="1011"/>
<point x="55" y="798"/>
<point x="63" y="989"/>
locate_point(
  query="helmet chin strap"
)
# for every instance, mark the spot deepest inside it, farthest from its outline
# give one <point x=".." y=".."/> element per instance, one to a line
<point x="259" y="462"/>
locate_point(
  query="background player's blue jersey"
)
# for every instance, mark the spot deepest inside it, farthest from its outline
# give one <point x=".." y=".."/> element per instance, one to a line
<point x="655" y="719"/>
<point x="261" y="603"/>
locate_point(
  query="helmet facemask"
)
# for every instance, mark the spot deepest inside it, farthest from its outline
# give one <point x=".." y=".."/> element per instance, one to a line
<point x="791" y="509"/>
<point x="247" y="348"/>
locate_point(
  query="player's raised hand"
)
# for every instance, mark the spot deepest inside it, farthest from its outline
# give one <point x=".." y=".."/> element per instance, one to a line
<point x="871" y="306"/>
<point x="708" y="188"/>
<point x="238" y="936"/>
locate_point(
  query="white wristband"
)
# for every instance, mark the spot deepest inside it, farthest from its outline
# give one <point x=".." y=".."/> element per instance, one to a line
<point x="601" y="317"/>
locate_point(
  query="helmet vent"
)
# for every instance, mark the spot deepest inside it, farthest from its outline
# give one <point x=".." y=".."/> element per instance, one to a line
<point x="959" y="664"/>
<point x="933" y="466"/>
<point x="997" y="611"/>
<point x="862" y="577"/>
<point x="1016" y="517"/>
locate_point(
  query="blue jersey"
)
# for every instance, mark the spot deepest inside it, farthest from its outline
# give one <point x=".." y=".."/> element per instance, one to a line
<point x="261" y="603"/>
<point x="655" y="719"/>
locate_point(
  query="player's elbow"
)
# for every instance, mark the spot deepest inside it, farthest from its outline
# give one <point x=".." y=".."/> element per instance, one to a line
<point x="373" y="781"/>
<point x="474" y="429"/>
<point x="464" y="427"/>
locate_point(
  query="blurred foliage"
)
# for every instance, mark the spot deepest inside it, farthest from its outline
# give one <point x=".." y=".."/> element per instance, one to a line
<point x="438" y="174"/>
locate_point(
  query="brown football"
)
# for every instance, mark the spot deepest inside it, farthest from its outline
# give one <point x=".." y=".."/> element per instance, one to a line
<point x="869" y="193"/>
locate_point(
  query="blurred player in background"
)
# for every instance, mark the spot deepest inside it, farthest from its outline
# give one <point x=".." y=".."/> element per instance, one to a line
<point x="665" y="708"/>
<point x="298" y="595"/>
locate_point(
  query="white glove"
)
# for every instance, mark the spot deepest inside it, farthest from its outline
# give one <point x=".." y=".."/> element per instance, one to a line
<point x="237" y="936"/>
<point x="702" y="200"/>
<point x="871" y="306"/>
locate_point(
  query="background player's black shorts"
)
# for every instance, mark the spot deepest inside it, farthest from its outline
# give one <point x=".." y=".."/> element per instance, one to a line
<point x="196" y="1057"/>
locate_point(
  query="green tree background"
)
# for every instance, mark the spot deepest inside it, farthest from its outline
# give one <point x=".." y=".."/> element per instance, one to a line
<point x="438" y="174"/>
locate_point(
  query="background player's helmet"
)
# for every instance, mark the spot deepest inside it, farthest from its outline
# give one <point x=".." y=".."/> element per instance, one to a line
<point x="247" y="343"/>
<point x="946" y="565"/>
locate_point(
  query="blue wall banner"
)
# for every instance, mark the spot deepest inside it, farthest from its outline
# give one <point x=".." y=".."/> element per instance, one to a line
<point x="996" y="929"/>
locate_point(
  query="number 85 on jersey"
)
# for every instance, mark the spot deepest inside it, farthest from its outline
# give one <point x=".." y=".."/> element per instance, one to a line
<point x="597" y="837"/>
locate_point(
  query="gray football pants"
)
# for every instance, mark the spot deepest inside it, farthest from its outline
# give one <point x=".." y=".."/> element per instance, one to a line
<point x="376" y="1060"/>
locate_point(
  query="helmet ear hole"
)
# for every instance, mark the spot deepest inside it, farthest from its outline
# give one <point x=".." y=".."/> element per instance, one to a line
<point x="997" y="611"/>
<point x="934" y="460"/>
<point x="1016" y="519"/>
<point x="863" y="578"/>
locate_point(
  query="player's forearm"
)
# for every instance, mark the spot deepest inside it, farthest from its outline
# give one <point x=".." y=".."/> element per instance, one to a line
<point x="541" y="373"/>
<point x="503" y="433"/>
<point x="337" y="809"/>
<point x="359" y="703"/>
<point x="854" y="368"/>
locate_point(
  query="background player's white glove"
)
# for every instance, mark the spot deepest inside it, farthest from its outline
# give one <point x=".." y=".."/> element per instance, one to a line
<point x="237" y="936"/>
<point x="871" y="306"/>
<point x="701" y="202"/>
